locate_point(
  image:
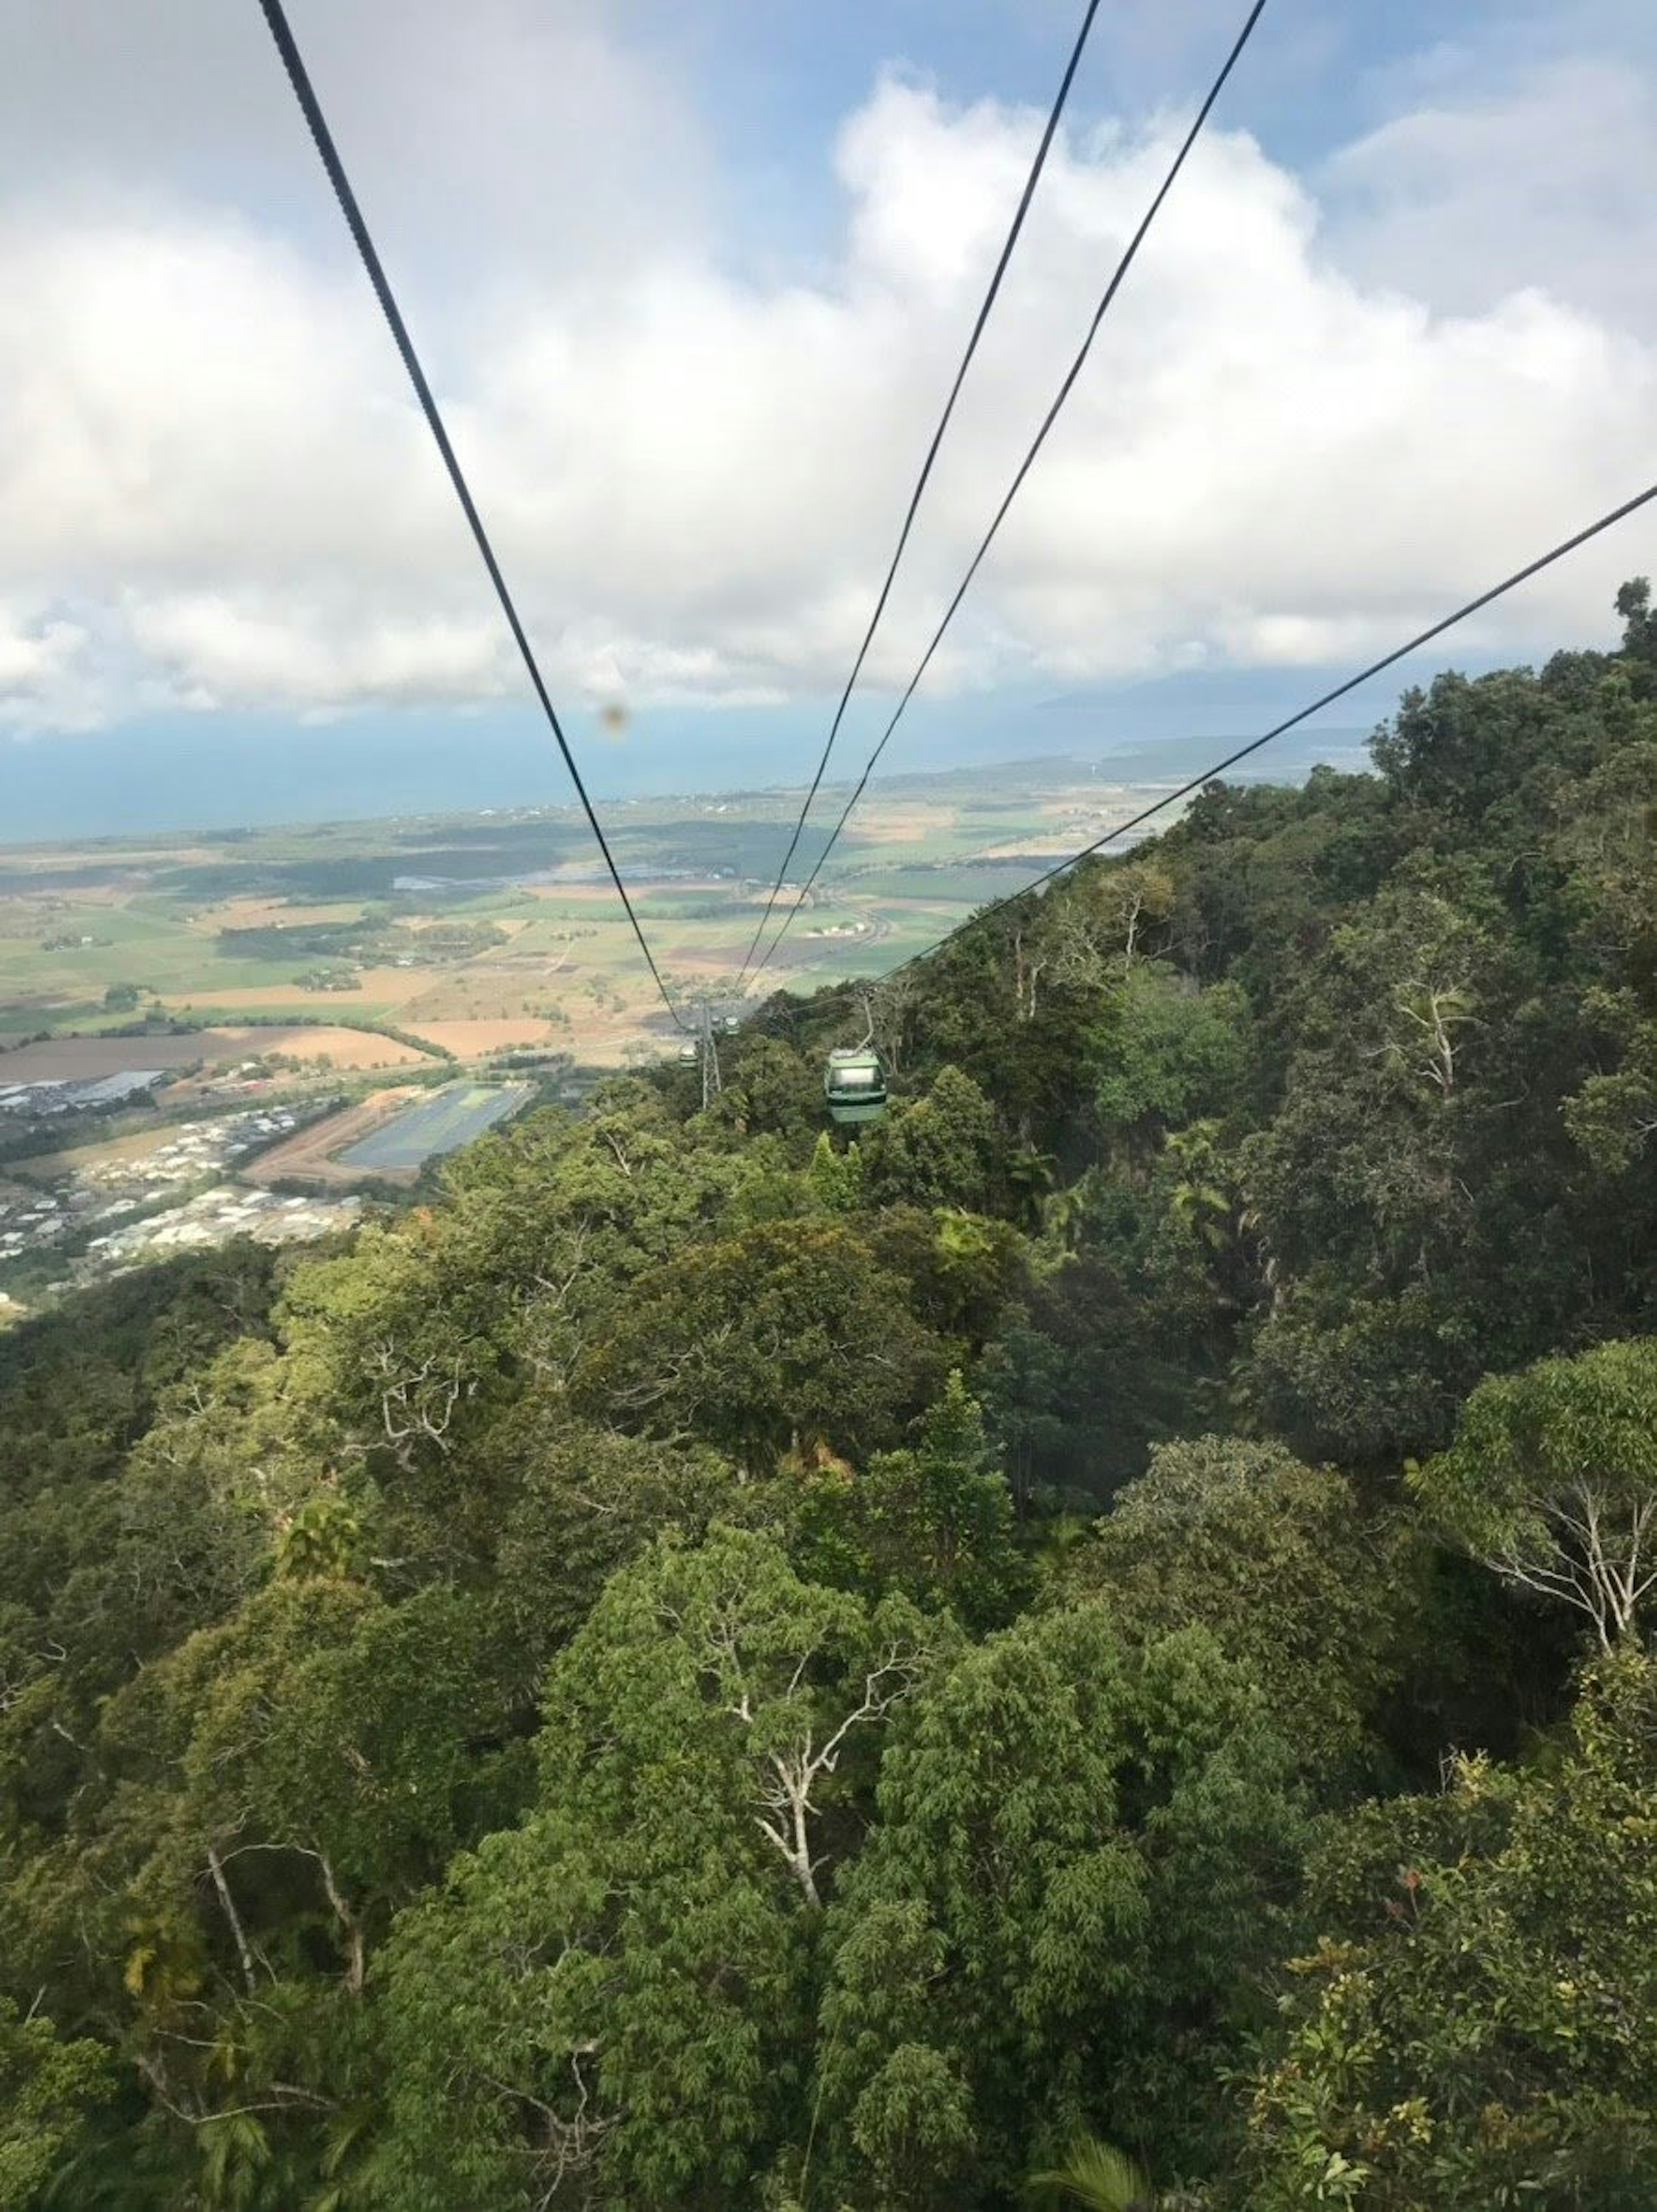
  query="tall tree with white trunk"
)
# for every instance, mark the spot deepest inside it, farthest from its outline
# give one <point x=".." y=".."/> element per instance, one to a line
<point x="1551" y="1481"/>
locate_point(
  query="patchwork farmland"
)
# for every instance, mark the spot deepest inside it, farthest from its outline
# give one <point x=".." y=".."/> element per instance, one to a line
<point x="378" y="945"/>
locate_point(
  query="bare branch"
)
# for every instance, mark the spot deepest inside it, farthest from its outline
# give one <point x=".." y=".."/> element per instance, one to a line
<point x="217" y="1866"/>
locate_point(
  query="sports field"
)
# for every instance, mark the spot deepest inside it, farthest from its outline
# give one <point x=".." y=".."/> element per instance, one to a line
<point x="450" y="1117"/>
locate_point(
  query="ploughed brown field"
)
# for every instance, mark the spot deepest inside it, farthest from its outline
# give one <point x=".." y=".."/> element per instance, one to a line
<point x="64" y="1058"/>
<point x="473" y="1040"/>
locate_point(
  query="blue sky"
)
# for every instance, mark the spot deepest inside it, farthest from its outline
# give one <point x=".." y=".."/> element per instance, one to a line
<point x="691" y="282"/>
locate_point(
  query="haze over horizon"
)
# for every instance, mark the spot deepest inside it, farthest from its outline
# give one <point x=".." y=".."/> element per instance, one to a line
<point x="691" y="285"/>
<point x="167" y="786"/>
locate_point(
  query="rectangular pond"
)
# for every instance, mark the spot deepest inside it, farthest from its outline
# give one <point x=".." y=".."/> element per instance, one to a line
<point x="450" y="1117"/>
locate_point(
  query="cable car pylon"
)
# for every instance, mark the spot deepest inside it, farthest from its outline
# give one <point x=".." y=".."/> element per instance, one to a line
<point x="711" y="1084"/>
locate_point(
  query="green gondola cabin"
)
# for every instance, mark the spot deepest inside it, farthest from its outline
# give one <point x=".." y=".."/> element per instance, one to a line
<point x="855" y="1085"/>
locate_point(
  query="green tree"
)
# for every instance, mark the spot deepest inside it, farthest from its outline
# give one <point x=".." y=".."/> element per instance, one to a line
<point x="1613" y="1116"/>
<point x="586" y="1501"/>
<point x="610" y="2003"/>
<point x="250" y="1809"/>
<point x="934" y="1522"/>
<point x="1097" y="2177"/>
<point x="963" y="1267"/>
<point x="1082" y="1859"/>
<point x="1478" y="2023"/>
<point x="790" y="1331"/>
<point x="1552" y="1480"/>
<point x="1080" y="1374"/>
<point x="1168" y="1053"/>
<point x="771" y="1087"/>
<point x="1277" y="1559"/>
<point x="1640" y="633"/>
<point x="50" y="2089"/>
<point x="836" y="1177"/>
<point x="943" y="1149"/>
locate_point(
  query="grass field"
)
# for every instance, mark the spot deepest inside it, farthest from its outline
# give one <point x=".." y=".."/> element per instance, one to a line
<point x="479" y="933"/>
<point x="52" y="1167"/>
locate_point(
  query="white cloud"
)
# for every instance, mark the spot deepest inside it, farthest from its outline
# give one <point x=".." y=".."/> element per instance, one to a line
<point x="541" y="130"/>
<point x="36" y="653"/>
<point x="252" y="652"/>
<point x="1286" y="446"/>
<point x="1546" y="179"/>
<point x="47" y="679"/>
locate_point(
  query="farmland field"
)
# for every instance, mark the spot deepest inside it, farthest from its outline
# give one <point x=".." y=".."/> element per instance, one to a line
<point x="442" y="1123"/>
<point x="62" y="1059"/>
<point x="343" y="1047"/>
<point x="470" y="935"/>
<point x="476" y="1040"/>
<point x="59" y="1058"/>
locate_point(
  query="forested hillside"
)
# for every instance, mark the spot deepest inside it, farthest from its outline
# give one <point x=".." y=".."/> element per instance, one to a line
<point x="1096" y="1630"/>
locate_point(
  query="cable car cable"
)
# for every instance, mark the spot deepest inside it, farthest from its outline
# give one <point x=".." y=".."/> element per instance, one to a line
<point x="1030" y="182"/>
<point x="1242" y="752"/>
<point x="1024" y="468"/>
<point x="299" y="77"/>
<point x="1352" y="684"/>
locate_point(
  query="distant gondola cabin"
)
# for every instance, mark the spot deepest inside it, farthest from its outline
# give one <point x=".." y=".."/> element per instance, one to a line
<point x="855" y="1085"/>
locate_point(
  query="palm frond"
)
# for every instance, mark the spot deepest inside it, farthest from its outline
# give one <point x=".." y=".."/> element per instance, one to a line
<point x="1099" y="2177"/>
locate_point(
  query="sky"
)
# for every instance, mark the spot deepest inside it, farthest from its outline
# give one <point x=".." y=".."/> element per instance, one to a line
<point x="691" y="284"/>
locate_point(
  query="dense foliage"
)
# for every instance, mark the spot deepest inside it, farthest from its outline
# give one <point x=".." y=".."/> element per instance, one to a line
<point x="1090" y="1641"/>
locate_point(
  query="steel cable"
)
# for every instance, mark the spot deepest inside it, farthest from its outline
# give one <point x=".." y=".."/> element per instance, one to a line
<point x="1024" y="468"/>
<point x="976" y="920"/>
<point x="299" y="77"/>
<point x="1029" y="194"/>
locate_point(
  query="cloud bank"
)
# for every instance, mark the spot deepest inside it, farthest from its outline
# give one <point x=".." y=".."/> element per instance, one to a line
<point x="1325" y="408"/>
